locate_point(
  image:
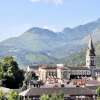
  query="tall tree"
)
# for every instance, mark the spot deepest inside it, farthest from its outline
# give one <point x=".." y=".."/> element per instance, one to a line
<point x="52" y="97"/>
<point x="13" y="95"/>
<point x="10" y="74"/>
<point x="98" y="93"/>
<point x="44" y="97"/>
<point x="2" y="96"/>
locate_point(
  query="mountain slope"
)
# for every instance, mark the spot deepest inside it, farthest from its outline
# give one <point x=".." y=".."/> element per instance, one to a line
<point x="38" y="45"/>
<point x="78" y="59"/>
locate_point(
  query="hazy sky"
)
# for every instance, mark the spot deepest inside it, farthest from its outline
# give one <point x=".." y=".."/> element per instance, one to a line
<point x="16" y="16"/>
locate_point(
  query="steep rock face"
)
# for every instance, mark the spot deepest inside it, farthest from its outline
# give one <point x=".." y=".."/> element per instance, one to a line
<point x="38" y="45"/>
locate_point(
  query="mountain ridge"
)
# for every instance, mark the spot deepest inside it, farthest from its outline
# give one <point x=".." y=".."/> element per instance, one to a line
<point x="38" y="45"/>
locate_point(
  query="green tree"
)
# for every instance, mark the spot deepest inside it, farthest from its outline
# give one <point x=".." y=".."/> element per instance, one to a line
<point x="44" y="97"/>
<point x="13" y="95"/>
<point x="52" y="97"/>
<point x="10" y="74"/>
<point x="2" y="96"/>
<point x="98" y="93"/>
<point x="57" y="97"/>
<point x="60" y="96"/>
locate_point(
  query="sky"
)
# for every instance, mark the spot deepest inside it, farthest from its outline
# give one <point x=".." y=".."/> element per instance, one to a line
<point x="16" y="16"/>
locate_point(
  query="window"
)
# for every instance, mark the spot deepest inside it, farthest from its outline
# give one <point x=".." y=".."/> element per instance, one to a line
<point x="92" y="62"/>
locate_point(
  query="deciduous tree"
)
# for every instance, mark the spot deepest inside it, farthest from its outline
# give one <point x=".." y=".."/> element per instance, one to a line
<point x="10" y="74"/>
<point x="13" y="95"/>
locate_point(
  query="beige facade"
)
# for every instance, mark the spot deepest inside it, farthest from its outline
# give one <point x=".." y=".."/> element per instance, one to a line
<point x="61" y="72"/>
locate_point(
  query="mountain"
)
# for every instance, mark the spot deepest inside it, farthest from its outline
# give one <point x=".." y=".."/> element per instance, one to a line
<point x="38" y="45"/>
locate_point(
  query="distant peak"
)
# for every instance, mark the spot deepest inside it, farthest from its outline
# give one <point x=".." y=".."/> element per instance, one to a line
<point x="34" y="29"/>
<point x="67" y="28"/>
<point x="38" y="30"/>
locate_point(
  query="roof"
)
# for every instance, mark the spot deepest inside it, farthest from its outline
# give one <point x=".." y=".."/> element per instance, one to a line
<point x="67" y="91"/>
<point x="45" y="66"/>
<point x="49" y="68"/>
<point x="93" y="83"/>
<point x="78" y="68"/>
<point x="34" y="67"/>
<point x="92" y="87"/>
<point x="91" y="50"/>
<point x="90" y="45"/>
<point x="97" y="69"/>
<point x="63" y="68"/>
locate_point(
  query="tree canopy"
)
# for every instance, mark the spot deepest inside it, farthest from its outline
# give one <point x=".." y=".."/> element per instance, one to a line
<point x="98" y="91"/>
<point x="52" y="97"/>
<point x="44" y="97"/>
<point x="10" y="74"/>
<point x="2" y="95"/>
<point x="13" y="95"/>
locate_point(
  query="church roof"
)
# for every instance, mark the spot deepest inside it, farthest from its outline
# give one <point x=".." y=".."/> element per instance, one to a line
<point x="91" y="50"/>
<point x="34" y="67"/>
<point x="48" y="66"/>
<point x="90" y="46"/>
<point x="97" y="69"/>
<point x="93" y="87"/>
<point x="78" y="68"/>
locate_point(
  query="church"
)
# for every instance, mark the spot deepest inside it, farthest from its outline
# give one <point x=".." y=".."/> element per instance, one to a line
<point x="60" y="72"/>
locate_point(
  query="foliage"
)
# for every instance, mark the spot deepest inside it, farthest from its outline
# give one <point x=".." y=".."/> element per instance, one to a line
<point x="44" y="97"/>
<point x="60" y="96"/>
<point x="52" y="97"/>
<point x="13" y="95"/>
<point x="98" y="98"/>
<point x="98" y="91"/>
<point x="10" y="75"/>
<point x="2" y="96"/>
<point x="75" y="59"/>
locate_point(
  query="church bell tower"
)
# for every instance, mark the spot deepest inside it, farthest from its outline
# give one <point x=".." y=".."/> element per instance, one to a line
<point x="91" y="57"/>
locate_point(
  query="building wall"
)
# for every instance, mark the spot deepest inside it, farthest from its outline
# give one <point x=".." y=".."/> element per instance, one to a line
<point x="81" y="72"/>
<point x="42" y="74"/>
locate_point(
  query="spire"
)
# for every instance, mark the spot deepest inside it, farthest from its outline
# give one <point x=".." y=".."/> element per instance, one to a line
<point x="91" y="47"/>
